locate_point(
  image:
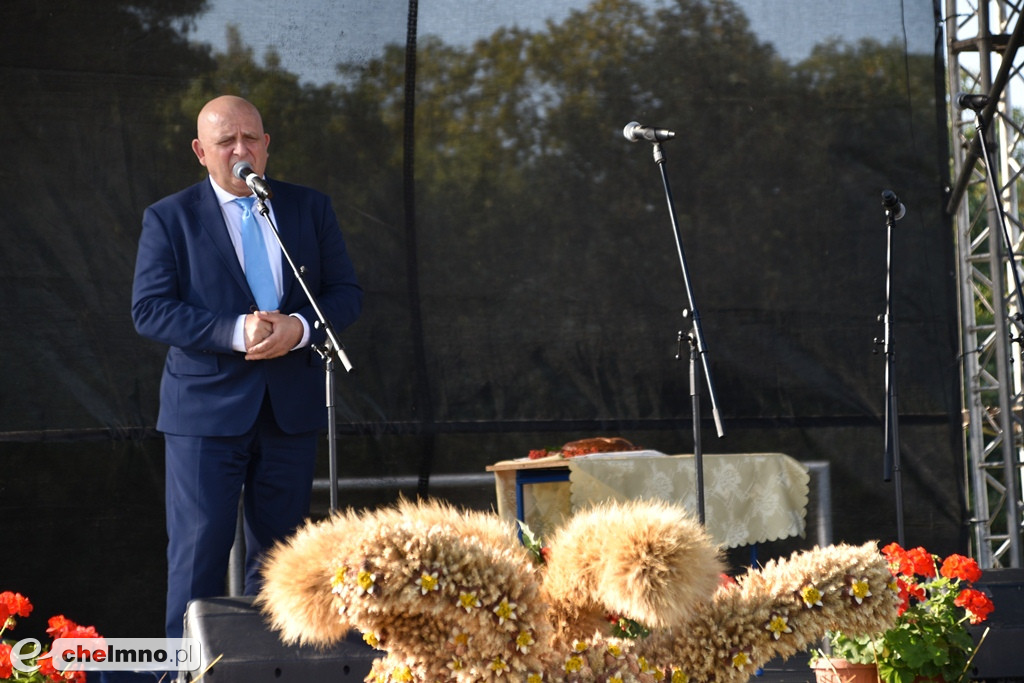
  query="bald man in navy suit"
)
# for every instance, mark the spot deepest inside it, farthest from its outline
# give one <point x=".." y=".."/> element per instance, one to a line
<point x="242" y="393"/>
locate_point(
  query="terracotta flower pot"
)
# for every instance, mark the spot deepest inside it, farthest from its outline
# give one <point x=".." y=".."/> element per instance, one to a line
<point x="826" y="670"/>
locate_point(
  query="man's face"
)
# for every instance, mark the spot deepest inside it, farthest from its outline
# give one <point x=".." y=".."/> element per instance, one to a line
<point x="229" y="131"/>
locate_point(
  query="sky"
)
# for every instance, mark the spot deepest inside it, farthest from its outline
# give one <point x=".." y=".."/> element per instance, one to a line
<point x="311" y="36"/>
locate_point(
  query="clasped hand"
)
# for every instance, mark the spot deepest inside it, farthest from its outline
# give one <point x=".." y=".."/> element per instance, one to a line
<point x="270" y="334"/>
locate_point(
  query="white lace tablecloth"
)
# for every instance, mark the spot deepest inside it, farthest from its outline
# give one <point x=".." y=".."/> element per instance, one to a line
<point x="748" y="498"/>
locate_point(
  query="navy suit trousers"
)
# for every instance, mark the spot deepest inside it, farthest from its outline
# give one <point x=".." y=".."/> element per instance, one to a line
<point x="272" y="472"/>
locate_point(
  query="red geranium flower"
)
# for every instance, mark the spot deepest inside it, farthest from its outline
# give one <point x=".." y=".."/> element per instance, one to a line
<point x="898" y="560"/>
<point x="13" y="604"/>
<point x="892" y="551"/>
<point x="904" y="595"/>
<point x="923" y="562"/>
<point x="77" y="631"/>
<point x="62" y="627"/>
<point x="59" y="625"/>
<point x="976" y="603"/>
<point x="6" y="668"/>
<point x="960" y="567"/>
<point x="47" y="669"/>
<point x="936" y="602"/>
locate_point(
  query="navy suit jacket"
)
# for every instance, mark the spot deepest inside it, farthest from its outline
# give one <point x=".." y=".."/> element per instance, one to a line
<point x="189" y="290"/>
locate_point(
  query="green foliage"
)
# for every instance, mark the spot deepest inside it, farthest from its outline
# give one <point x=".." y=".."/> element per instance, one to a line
<point x="928" y="641"/>
<point x="623" y="627"/>
<point x="929" y="638"/>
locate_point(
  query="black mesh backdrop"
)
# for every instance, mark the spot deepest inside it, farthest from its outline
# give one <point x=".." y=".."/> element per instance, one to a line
<point x="523" y="287"/>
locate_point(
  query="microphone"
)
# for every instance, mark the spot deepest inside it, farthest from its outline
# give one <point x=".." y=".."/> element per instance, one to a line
<point x="259" y="186"/>
<point x="634" y="132"/>
<point x="966" y="100"/>
<point x="892" y="205"/>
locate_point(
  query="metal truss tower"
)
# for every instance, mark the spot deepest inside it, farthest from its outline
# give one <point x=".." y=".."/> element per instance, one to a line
<point x="982" y="40"/>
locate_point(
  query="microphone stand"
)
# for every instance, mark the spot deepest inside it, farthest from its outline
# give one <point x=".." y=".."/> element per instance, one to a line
<point x="698" y="347"/>
<point x="892" y="469"/>
<point x="330" y="351"/>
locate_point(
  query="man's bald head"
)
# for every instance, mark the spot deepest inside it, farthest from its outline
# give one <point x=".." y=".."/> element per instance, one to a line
<point x="229" y="129"/>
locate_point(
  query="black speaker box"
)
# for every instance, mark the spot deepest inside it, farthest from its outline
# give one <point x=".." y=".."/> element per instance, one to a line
<point x="234" y="630"/>
<point x="999" y="657"/>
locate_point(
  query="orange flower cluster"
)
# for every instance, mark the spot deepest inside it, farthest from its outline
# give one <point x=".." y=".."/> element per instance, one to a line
<point x="908" y="565"/>
<point x="976" y="603"/>
<point x="960" y="567"/>
<point x="62" y="627"/>
<point x="17" y="605"/>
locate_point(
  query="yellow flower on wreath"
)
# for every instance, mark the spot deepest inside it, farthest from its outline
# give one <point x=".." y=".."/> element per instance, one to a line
<point x="499" y="665"/>
<point x="468" y="601"/>
<point x="859" y="589"/>
<point x="679" y="677"/>
<point x="645" y="666"/>
<point x="811" y="596"/>
<point x="365" y="582"/>
<point x="338" y="579"/>
<point x="460" y="639"/>
<point x="740" y="659"/>
<point x="524" y="641"/>
<point x="505" y="610"/>
<point x="777" y="625"/>
<point x="428" y="582"/>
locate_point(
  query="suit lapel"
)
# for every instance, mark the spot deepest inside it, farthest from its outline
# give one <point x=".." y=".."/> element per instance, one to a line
<point x="211" y="221"/>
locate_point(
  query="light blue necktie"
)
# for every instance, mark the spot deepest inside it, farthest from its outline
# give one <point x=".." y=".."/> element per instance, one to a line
<point x="257" y="265"/>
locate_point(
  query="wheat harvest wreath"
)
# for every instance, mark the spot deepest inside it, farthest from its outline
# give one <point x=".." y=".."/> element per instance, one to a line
<point x="449" y="595"/>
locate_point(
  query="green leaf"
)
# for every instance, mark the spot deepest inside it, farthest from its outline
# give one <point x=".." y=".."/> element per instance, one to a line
<point x="628" y="628"/>
<point x="531" y="541"/>
<point x="890" y="674"/>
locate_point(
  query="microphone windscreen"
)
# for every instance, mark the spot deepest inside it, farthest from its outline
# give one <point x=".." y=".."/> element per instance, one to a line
<point x="243" y="169"/>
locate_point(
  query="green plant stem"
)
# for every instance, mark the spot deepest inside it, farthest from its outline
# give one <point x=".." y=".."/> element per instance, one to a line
<point x="970" y="659"/>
